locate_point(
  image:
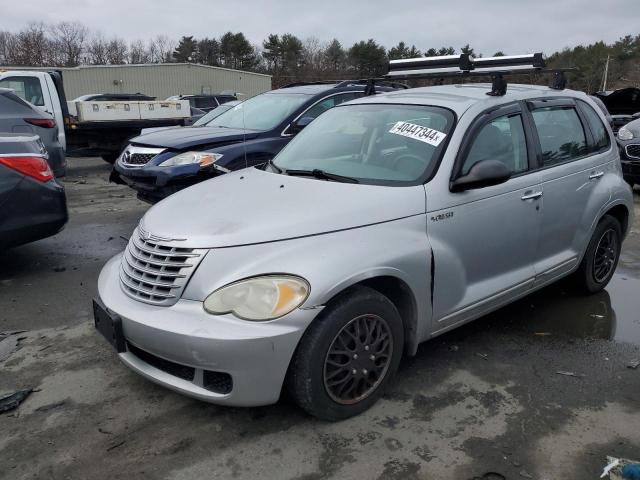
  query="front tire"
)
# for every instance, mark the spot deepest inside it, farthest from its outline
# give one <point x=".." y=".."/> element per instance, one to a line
<point x="347" y="356"/>
<point x="601" y="258"/>
<point x="110" y="157"/>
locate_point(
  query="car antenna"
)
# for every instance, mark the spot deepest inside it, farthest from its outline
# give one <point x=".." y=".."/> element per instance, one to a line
<point x="244" y="137"/>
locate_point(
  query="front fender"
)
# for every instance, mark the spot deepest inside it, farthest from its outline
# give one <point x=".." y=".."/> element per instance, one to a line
<point x="331" y="263"/>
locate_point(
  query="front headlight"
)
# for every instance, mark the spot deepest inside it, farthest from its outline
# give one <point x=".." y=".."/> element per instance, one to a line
<point x="187" y="158"/>
<point x="625" y="134"/>
<point x="259" y="298"/>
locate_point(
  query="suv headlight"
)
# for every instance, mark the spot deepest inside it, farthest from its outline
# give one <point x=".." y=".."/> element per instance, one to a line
<point x="625" y="134"/>
<point x="259" y="298"/>
<point x="187" y="158"/>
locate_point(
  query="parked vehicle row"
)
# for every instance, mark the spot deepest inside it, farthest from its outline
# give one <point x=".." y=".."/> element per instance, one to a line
<point x="97" y="124"/>
<point x="250" y="133"/>
<point x="385" y="222"/>
<point x="206" y="103"/>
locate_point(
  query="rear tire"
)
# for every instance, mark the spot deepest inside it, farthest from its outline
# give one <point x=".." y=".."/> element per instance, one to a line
<point x="602" y="255"/>
<point x="347" y="356"/>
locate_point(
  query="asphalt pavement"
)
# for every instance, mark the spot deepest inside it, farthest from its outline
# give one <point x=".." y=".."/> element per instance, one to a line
<point x="487" y="397"/>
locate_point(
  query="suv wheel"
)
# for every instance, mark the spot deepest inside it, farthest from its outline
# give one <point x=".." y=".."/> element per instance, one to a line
<point x="347" y="356"/>
<point x="601" y="258"/>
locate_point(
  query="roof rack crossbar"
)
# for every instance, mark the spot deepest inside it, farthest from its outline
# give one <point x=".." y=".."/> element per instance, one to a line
<point x="378" y="81"/>
<point x="302" y="84"/>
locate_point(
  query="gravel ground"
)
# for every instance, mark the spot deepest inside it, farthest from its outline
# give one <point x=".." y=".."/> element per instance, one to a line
<point x="483" y="398"/>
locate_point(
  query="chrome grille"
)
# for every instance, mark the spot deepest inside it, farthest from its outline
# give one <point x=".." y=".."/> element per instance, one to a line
<point x="135" y="156"/>
<point x="140" y="158"/>
<point x="633" y="150"/>
<point x="157" y="272"/>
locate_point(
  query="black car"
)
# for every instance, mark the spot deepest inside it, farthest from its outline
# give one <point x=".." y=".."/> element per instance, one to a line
<point x="34" y="205"/>
<point x="203" y="102"/>
<point x="251" y="133"/>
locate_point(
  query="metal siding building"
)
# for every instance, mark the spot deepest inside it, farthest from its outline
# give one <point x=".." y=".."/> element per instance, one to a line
<point x="159" y="80"/>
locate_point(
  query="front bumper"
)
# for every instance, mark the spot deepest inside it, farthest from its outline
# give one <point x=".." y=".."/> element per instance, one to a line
<point x="255" y="354"/>
<point x="155" y="183"/>
<point x="631" y="170"/>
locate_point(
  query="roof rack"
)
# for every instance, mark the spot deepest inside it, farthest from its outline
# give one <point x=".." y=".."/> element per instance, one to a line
<point x="346" y="83"/>
<point x="302" y="84"/>
<point x="463" y="66"/>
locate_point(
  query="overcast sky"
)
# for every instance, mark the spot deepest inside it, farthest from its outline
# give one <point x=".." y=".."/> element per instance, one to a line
<point x="513" y="26"/>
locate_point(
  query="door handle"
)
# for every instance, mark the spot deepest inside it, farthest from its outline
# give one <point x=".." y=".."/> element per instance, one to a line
<point x="595" y="175"/>
<point x="531" y="196"/>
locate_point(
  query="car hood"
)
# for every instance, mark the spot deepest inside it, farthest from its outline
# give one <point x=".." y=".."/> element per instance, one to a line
<point x="181" y="138"/>
<point x="253" y="206"/>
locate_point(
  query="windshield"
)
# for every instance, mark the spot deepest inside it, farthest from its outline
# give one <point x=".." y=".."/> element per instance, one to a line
<point x="216" y="112"/>
<point x="262" y="112"/>
<point x="375" y="144"/>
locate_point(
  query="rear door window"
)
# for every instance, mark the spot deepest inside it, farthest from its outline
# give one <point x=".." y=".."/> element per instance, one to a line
<point x="600" y="134"/>
<point x="501" y="139"/>
<point x="27" y="88"/>
<point x="331" y="102"/>
<point x="561" y="133"/>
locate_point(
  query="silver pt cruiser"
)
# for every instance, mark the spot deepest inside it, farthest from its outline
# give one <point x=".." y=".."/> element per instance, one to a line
<point x="386" y="222"/>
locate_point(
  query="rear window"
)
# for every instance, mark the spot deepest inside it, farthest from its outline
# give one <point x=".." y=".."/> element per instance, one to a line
<point x="11" y="103"/>
<point x="599" y="131"/>
<point x="561" y="134"/>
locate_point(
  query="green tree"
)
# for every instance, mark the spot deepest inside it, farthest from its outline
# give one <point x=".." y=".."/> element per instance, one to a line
<point x="334" y="56"/>
<point x="272" y="53"/>
<point x="368" y="58"/>
<point x="186" y="50"/>
<point x="447" y="51"/>
<point x="468" y="50"/>
<point x="402" y="50"/>
<point x="208" y="51"/>
<point x="290" y="52"/>
<point x="237" y="52"/>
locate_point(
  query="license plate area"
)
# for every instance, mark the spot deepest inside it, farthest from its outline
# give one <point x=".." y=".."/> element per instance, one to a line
<point x="109" y="326"/>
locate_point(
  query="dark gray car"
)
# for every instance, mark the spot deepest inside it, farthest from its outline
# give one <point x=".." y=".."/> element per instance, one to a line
<point x="18" y="116"/>
<point x="33" y="203"/>
<point x="629" y="143"/>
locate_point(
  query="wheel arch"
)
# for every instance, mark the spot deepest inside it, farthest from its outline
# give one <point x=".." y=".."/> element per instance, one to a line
<point x="399" y="293"/>
<point x="621" y="213"/>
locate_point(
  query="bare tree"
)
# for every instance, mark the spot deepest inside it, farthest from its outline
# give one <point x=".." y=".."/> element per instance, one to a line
<point x="116" y="51"/>
<point x="160" y="49"/>
<point x="69" y="39"/>
<point x="30" y="46"/>
<point x="138" y="53"/>
<point x="97" y="50"/>
<point x="6" y="39"/>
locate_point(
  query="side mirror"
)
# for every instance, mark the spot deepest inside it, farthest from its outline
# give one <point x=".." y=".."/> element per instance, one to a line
<point x="482" y="174"/>
<point x="297" y="126"/>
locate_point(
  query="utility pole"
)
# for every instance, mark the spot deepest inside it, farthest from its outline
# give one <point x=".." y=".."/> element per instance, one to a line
<point x="606" y="74"/>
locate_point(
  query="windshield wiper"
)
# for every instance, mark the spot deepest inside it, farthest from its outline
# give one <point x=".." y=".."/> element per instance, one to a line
<point x="274" y="166"/>
<point x="321" y="174"/>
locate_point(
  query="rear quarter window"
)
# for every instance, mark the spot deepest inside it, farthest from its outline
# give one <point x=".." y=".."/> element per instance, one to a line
<point x="600" y="133"/>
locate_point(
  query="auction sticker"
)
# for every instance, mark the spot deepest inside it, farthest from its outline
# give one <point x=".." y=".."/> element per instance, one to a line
<point x="418" y="132"/>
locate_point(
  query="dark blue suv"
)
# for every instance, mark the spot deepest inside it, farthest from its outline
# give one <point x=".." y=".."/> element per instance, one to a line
<point x="161" y="163"/>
